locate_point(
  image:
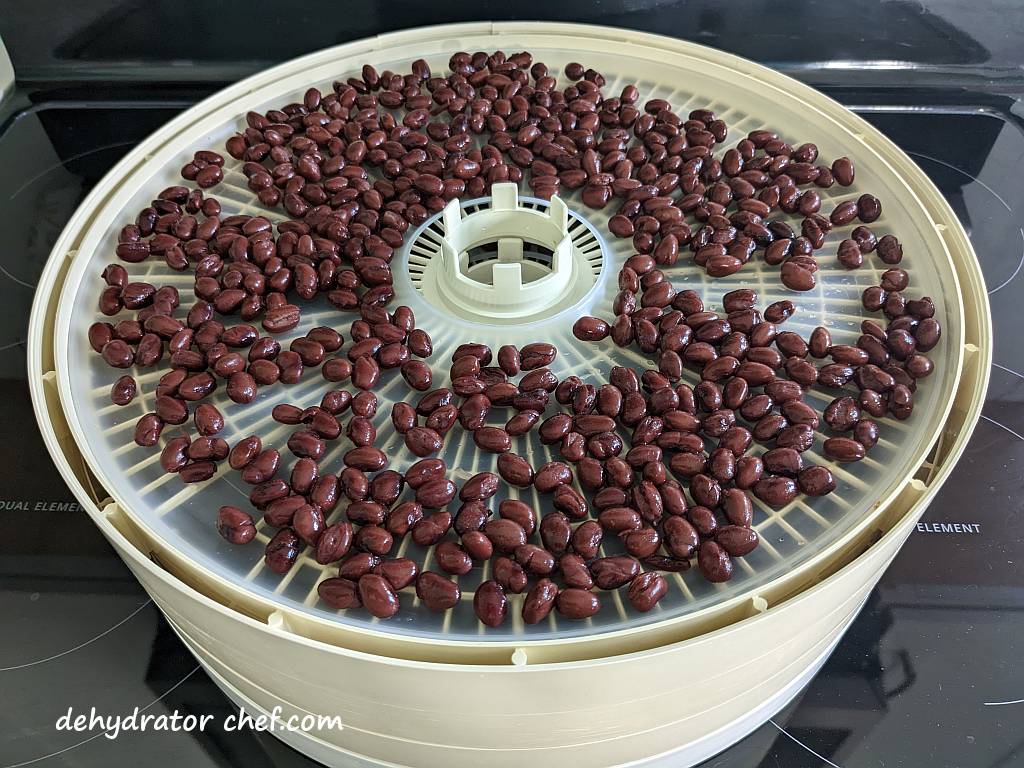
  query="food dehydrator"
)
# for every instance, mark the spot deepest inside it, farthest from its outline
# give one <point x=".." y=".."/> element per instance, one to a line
<point x="669" y="687"/>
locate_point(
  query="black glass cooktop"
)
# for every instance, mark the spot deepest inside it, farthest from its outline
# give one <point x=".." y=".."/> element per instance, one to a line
<point x="929" y="673"/>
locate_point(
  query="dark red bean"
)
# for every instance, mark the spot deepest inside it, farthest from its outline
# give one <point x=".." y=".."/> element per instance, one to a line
<point x="262" y="467"/>
<point x="535" y="560"/>
<point x="577" y="604"/>
<point x="208" y="420"/>
<point x="591" y="329"/>
<point x="843" y="171"/>
<point x="334" y="543"/>
<point x="417" y="374"/>
<point x="423" y="441"/>
<point x="435" y="494"/>
<point x="424" y="471"/>
<point x="282" y="551"/>
<point x="281" y="319"/>
<point x="171" y="410"/>
<point x="366" y="373"/>
<point x="646" y="590"/>
<point x="437" y="592"/>
<point x="555" y="532"/>
<point x="537" y="355"/>
<point x="337" y="369"/>
<point x="509" y="360"/>
<point x="378" y="596"/>
<point x="399" y="572"/>
<point x="868" y="208"/>
<point x="358" y="565"/>
<point x="235" y="525"/>
<point x="615" y="571"/>
<point x="775" y="491"/>
<point x="551" y="475"/>
<point x="308" y="444"/>
<point x="366" y="458"/>
<point x="123" y="391"/>
<point x="420" y="343"/>
<point x="681" y="538"/>
<point x="505" y="534"/>
<point x="339" y="593"/>
<point x="308" y="523"/>
<point x="714" y="562"/>
<point x="490" y="603"/>
<point x="737" y="540"/>
<point x="510" y="575"/>
<point x="148" y="429"/>
<point x="843" y="449"/>
<point x="244" y="451"/>
<point x="816" y="481"/>
<point x="797" y="278"/>
<point x="453" y="559"/>
<point x="118" y="354"/>
<point x="539" y="601"/>
<point x="492" y="439"/>
<point x="480" y="486"/>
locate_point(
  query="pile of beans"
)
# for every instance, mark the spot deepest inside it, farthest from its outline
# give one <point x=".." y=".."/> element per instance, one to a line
<point x="649" y="466"/>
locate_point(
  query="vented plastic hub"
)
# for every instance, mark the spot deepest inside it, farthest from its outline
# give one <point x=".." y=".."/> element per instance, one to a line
<point x="505" y="259"/>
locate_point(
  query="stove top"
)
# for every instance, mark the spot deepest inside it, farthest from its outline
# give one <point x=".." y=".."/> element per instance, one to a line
<point x="928" y="674"/>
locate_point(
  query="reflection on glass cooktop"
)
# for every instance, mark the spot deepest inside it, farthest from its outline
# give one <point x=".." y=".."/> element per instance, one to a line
<point x="927" y="674"/>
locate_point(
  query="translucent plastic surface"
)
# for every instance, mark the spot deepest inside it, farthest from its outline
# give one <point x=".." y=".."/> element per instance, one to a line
<point x="183" y="516"/>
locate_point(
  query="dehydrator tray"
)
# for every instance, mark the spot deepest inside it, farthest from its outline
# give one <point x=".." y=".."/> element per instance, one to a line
<point x="799" y="542"/>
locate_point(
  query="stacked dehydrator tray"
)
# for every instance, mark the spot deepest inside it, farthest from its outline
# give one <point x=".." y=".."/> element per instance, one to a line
<point x="667" y="687"/>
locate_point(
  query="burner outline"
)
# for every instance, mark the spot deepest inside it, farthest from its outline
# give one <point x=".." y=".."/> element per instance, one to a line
<point x="91" y="640"/>
<point x="95" y="736"/>
<point x="788" y="735"/>
<point x="41" y="174"/>
<point x="997" y="196"/>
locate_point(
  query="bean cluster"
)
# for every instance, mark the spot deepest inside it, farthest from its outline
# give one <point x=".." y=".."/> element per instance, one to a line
<point x="665" y="468"/>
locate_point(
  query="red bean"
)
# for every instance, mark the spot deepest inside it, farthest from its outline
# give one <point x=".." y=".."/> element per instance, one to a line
<point x="148" y="429"/>
<point x="437" y="592"/>
<point x="340" y="593"/>
<point x="714" y="562"/>
<point x="591" y="329"/>
<point x="539" y="601"/>
<point x="399" y="572"/>
<point x="334" y="543"/>
<point x="123" y="391"/>
<point x="576" y="604"/>
<point x="615" y="571"/>
<point x="490" y="603"/>
<point x="646" y="590"/>
<point x="378" y="596"/>
<point x="282" y="551"/>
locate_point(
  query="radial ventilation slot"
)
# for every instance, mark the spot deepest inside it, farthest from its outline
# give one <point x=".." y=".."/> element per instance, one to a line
<point x="489" y="252"/>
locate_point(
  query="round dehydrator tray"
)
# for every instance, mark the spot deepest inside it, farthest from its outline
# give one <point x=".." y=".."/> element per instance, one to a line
<point x="799" y="543"/>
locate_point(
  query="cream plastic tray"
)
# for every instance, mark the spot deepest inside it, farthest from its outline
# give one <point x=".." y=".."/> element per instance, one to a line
<point x="800" y="543"/>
